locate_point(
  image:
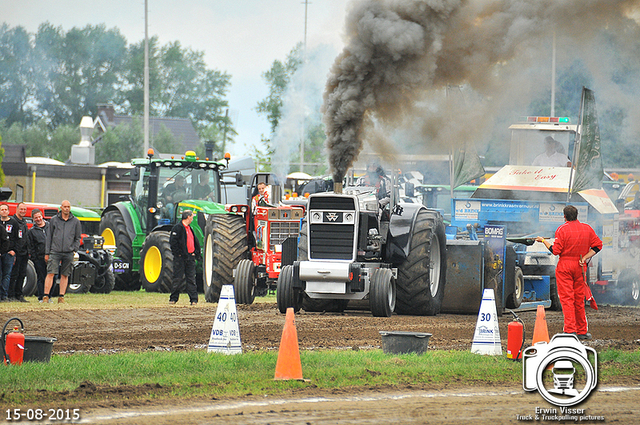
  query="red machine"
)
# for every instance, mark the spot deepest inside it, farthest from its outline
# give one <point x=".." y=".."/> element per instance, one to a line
<point x="13" y="343"/>
<point x="268" y="227"/>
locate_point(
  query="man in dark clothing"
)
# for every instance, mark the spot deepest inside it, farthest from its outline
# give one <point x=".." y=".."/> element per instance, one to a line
<point x="63" y="241"/>
<point x="37" y="241"/>
<point x="11" y="227"/>
<point x="575" y="243"/>
<point x="186" y="250"/>
<point x="4" y="248"/>
<point x="21" y="249"/>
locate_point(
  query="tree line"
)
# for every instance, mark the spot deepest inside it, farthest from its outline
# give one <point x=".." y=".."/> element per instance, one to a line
<point x="50" y="79"/>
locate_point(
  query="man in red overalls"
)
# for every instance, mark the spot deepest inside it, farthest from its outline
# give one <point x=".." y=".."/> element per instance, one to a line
<point x="575" y="243"/>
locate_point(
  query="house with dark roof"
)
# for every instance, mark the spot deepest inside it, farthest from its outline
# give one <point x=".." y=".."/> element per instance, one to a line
<point x="181" y="128"/>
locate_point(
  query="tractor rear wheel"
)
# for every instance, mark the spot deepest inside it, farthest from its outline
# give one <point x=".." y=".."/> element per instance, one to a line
<point x="421" y="277"/>
<point x="156" y="263"/>
<point x="629" y="287"/>
<point x="104" y="284"/>
<point x="244" y="282"/>
<point x="514" y="300"/>
<point x="30" y="283"/>
<point x="225" y="244"/>
<point x="81" y="287"/>
<point x="553" y="294"/>
<point x="114" y="231"/>
<point x="286" y="295"/>
<point x="382" y="293"/>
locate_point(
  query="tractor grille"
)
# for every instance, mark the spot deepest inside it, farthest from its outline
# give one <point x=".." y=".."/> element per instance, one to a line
<point x="331" y="241"/>
<point x="282" y="230"/>
<point x="331" y="203"/>
<point x="331" y="231"/>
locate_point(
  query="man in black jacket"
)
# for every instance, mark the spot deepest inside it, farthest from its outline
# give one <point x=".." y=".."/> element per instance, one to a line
<point x="37" y="241"/>
<point x="186" y="250"/>
<point x="8" y="258"/>
<point x="63" y="241"/>
<point x="4" y="249"/>
<point x="21" y="249"/>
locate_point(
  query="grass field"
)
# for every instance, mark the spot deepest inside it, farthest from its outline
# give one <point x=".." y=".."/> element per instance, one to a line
<point x="198" y="373"/>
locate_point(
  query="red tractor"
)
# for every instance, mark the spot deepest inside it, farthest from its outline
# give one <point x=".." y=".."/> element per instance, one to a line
<point x="269" y="225"/>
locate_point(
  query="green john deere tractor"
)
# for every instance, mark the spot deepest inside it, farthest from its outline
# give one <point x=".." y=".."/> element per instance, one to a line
<point x="161" y="189"/>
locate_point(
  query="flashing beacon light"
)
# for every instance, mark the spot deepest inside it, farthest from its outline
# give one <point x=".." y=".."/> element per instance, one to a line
<point x="190" y="156"/>
<point x="563" y="120"/>
<point x="150" y="153"/>
<point x="227" y="157"/>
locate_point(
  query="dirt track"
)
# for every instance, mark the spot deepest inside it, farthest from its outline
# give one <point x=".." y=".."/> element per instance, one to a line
<point x="184" y="327"/>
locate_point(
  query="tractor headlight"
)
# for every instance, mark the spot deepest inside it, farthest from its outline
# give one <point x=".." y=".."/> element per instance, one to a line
<point x="159" y="205"/>
<point x="234" y="209"/>
<point x="244" y="209"/>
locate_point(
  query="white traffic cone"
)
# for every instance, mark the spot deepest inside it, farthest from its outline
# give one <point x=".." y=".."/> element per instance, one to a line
<point x="486" y="339"/>
<point x="225" y="334"/>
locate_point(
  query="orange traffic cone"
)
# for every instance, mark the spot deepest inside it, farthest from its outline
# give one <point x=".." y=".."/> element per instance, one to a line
<point x="288" y="365"/>
<point x="540" y="331"/>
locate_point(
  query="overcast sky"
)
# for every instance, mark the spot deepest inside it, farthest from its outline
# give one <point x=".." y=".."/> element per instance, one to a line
<point x="240" y="37"/>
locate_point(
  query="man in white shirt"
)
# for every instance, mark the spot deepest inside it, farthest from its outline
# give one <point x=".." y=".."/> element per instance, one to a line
<point x="551" y="157"/>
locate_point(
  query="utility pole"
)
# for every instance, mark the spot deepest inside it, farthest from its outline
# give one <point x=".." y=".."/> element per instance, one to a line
<point x="146" y="77"/>
<point x="304" y="60"/>
<point x="553" y="76"/>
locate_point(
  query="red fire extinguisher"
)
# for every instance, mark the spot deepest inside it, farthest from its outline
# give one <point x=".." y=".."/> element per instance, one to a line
<point x="515" y="338"/>
<point x="13" y="343"/>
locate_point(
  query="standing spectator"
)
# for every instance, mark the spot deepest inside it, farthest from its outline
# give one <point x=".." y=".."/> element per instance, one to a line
<point x="63" y="241"/>
<point x="4" y="248"/>
<point x="37" y="241"/>
<point x="575" y="243"/>
<point x="186" y="250"/>
<point x="11" y="227"/>
<point x="21" y="249"/>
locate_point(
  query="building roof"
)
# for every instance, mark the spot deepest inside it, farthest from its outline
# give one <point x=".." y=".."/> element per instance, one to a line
<point x="181" y="128"/>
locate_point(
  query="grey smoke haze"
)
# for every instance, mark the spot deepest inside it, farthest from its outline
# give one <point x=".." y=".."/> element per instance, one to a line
<point x="401" y="54"/>
<point x="300" y="106"/>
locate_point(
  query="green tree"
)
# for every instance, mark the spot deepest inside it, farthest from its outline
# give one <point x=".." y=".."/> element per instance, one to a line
<point x="165" y="142"/>
<point x="277" y="78"/>
<point x="189" y="90"/>
<point x="34" y="138"/>
<point x="120" y="143"/>
<point x="62" y="138"/>
<point x="79" y="70"/>
<point x="1" y="159"/>
<point x="16" y="74"/>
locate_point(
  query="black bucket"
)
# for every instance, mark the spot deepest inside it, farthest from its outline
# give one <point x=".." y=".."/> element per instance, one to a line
<point x="38" y="348"/>
<point x="401" y="342"/>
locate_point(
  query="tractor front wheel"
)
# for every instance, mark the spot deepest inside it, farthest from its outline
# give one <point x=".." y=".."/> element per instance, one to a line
<point x="286" y="295"/>
<point x="514" y="300"/>
<point x="244" y="282"/>
<point x="156" y="263"/>
<point x="382" y="293"/>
